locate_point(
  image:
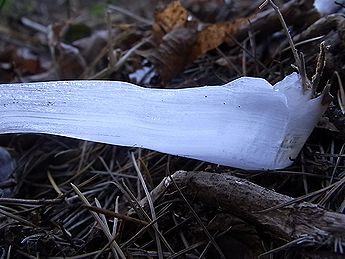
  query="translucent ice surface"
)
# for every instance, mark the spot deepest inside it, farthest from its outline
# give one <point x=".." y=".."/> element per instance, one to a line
<point x="247" y="123"/>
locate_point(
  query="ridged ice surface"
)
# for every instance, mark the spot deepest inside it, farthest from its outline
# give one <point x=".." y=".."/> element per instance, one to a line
<point x="246" y="123"/>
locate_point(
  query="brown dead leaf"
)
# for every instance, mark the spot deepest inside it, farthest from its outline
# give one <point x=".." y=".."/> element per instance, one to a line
<point x="183" y="45"/>
<point x="214" y="35"/>
<point x="178" y="41"/>
<point x="173" y="54"/>
<point x="172" y="17"/>
<point x="20" y="62"/>
<point x="27" y="65"/>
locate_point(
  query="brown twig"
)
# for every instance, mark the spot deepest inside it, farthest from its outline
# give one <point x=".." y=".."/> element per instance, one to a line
<point x="236" y="195"/>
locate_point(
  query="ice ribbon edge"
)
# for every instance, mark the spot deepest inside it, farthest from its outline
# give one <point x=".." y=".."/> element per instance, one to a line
<point x="245" y="86"/>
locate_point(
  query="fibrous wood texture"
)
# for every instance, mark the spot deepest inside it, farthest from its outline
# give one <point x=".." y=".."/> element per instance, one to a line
<point x="264" y="208"/>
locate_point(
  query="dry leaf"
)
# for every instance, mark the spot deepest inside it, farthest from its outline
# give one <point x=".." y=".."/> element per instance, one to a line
<point x="214" y="35"/>
<point x="178" y="42"/>
<point x="20" y="61"/>
<point x="172" y="17"/>
<point x="173" y="54"/>
<point x="176" y="16"/>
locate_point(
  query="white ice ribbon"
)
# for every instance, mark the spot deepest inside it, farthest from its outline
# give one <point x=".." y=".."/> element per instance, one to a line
<point x="247" y="123"/>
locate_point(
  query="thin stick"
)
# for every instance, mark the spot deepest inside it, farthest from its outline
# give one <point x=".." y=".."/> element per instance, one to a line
<point x="299" y="59"/>
<point x="282" y="21"/>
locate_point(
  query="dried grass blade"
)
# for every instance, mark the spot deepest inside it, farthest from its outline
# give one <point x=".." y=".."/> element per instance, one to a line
<point x="115" y="219"/>
<point x="115" y="247"/>
<point x="152" y="209"/>
<point x="136" y="206"/>
<point x="53" y="183"/>
<point x="101" y="215"/>
<point x="341" y="93"/>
